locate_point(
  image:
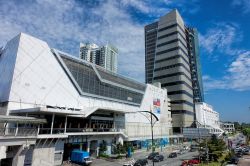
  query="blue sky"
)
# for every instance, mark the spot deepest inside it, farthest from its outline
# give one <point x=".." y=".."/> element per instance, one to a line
<point x="223" y="31"/>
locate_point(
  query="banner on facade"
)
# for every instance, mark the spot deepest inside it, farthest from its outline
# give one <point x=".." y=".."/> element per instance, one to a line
<point x="157" y="106"/>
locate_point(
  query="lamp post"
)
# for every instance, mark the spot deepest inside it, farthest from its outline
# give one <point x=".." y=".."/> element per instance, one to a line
<point x="152" y="127"/>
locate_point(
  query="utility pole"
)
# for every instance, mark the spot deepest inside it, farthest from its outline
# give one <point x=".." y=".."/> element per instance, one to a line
<point x="152" y="131"/>
<point x="152" y="127"/>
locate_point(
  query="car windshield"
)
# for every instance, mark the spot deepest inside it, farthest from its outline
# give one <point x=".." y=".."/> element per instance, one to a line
<point x="87" y="159"/>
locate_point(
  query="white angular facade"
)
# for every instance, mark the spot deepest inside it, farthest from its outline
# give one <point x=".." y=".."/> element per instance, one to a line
<point x="78" y="99"/>
<point x="208" y="118"/>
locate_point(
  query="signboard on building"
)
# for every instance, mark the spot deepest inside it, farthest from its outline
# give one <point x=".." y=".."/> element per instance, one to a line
<point x="157" y="106"/>
<point x="196" y="133"/>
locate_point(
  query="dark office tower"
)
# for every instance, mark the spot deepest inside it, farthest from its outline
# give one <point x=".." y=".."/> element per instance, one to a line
<point x="195" y="66"/>
<point x="150" y="48"/>
<point x="167" y="60"/>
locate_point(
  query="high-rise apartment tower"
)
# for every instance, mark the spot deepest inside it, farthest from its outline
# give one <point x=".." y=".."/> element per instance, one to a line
<point x="172" y="58"/>
<point x="105" y="56"/>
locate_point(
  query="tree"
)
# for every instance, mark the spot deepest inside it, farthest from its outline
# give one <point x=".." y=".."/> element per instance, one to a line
<point x="215" y="148"/>
<point x="120" y="149"/>
<point x="103" y="147"/>
<point x="246" y="132"/>
<point x="237" y="126"/>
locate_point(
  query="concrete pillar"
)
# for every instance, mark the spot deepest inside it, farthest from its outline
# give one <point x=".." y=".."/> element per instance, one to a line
<point x="88" y="146"/>
<point x="19" y="157"/>
<point x="44" y="156"/>
<point x="3" y="152"/>
<point x="97" y="150"/>
<point x="52" y="123"/>
<point x="38" y="129"/>
<point x="65" y="124"/>
<point x="80" y="146"/>
<point x="16" y="129"/>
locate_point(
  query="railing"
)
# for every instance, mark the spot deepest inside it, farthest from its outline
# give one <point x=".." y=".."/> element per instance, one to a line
<point x="18" y="132"/>
<point x="77" y="130"/>
<point x="48" y="131"/>
<point x="25" y="132"/>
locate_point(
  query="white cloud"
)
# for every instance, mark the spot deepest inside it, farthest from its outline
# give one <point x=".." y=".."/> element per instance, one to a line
<point x="221" y="38"/>
<point x="138" y="4"/>
<point x="65" y="23"/>
<point x="190" y="6"/>
<point x="244" y="4"/>
<point x="116" y="26"/>
<point x="42" y="18"/>
<point x="236" y="78"/>
<point x="240" y="72"/>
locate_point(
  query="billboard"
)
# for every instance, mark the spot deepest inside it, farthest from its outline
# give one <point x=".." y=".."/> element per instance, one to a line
<point x="157" y="106"/>
<point x="196" y="133"/>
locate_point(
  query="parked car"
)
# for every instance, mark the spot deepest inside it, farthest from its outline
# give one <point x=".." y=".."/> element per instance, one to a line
<point x="158" y="158"/>
<point x="193" y="161"/>
<point x="190" y="162"/>
<point x="152" y="155"/>
<point x="234" y="160"/>
<point x="184" y="163"/>
<point x="172" y="155"/>
<point x="141" y="162"/>
<point x="130" y="163"/>
<point x="186" y="147"/>
<point x="246" y="152"/>
<point x="239" y="154"/>
<point x="181" y="152"/>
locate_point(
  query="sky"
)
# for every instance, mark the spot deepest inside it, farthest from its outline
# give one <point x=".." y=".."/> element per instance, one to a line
<point x="223" y="25"/>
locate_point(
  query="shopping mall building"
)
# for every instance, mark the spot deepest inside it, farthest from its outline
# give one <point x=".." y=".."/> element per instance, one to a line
<point x="52" y="102"/>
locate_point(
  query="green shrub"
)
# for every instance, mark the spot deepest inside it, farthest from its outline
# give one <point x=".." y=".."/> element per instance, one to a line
<point x="103" y="155"/>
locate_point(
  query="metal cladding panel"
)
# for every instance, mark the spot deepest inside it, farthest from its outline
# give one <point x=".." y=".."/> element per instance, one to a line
<point x="113" y="77"/>
<point x="38" y="78"/>
<point x="7" y="65"/>
<point x="102" y="84"/>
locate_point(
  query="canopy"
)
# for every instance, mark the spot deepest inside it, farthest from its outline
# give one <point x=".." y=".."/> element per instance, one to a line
<point x="21" y="119"/>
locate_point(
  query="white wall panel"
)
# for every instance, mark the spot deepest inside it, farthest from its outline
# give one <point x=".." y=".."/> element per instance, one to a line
<point x="7" y="65"/>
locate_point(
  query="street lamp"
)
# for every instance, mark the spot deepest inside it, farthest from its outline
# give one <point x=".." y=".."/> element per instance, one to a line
<point x="152" y="126"/>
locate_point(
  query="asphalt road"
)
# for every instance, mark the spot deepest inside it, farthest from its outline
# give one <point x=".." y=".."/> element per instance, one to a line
<point x="166" y="162"/>
<point x="244" y="161"/>
<point x="174" y="161"/>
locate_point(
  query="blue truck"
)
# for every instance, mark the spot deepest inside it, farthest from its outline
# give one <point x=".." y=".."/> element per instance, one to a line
<point x="80" y="157"/>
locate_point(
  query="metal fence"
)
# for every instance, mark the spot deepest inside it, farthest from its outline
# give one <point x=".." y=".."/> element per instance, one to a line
<point x="18" y="132"/>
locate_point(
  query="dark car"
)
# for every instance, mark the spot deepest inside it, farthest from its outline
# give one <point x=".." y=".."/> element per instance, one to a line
<point x="239" y="154"/>
<point x="234" y="160"/>
<point x="158" y="158"/>
<point x="172" y="155"/>
<point x="152" y="155"/>
<point x="141" y="162"/>
<point x="246" y="151"/>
